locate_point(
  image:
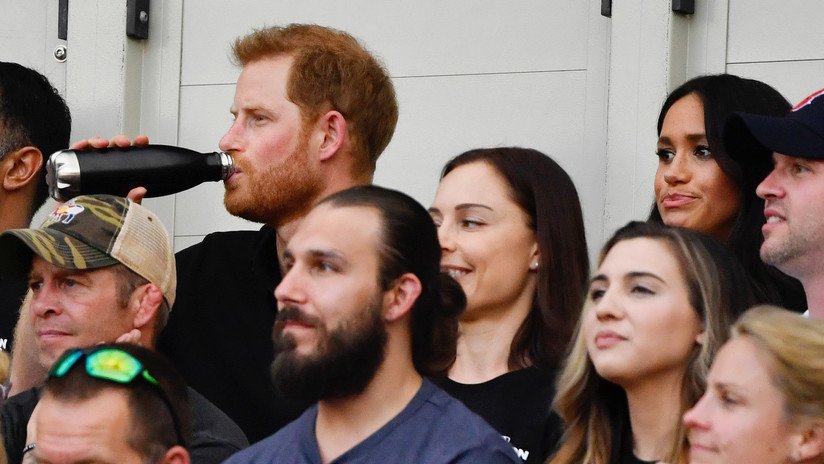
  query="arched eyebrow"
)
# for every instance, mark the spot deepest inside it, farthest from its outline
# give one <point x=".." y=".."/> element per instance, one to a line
<point x="472" y="205"/>
<point x="627" y="276"/>
<point x="691" y="137"/>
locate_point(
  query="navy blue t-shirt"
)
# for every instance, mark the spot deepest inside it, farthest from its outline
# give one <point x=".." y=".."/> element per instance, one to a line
<point x="433" y="428"/>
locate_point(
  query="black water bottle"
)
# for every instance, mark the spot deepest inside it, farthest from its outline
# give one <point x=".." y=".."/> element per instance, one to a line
<point x="162" y="169"/>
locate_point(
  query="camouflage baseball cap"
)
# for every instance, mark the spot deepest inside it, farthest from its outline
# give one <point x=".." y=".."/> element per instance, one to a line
<point x="94" y="231"/>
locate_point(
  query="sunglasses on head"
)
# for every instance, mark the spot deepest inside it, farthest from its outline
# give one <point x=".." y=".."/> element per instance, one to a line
<point x="114" y="365"/>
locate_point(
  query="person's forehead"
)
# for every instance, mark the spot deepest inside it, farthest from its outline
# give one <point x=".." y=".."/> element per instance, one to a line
<point x="40" y="265"/>
<point x="78" y="424"/>
<point x="348" y="230"/>
<point x="781" y="157"/>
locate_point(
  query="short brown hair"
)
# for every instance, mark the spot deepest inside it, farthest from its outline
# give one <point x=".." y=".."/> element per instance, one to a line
<point x="161" y="414"/>
<point x="331" y="68"/>
<point x="127" y="282"/>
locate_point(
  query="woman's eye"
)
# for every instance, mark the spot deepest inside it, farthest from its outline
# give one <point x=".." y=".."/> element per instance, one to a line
<point x="471" y="223"/>
<point x="596" y="293"/>
<point x="728" y="401"/>
<point x="703" y="152"/>
<point x="640" y="289"/>
<point x="664" y="155"/>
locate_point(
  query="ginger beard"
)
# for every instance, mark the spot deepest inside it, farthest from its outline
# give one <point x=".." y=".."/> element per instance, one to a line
<point x="275" y="193"/>
<point x="344" y="361"/>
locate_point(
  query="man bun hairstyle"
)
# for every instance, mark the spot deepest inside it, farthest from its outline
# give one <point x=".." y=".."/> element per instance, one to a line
<point x="409" y="244"/>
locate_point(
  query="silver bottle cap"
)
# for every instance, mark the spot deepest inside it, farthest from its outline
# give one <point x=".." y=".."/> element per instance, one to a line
<point x="63" y="175"/>
<point x="227" y="165"/>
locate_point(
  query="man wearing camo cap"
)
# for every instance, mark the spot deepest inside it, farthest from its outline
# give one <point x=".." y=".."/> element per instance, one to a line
<point x="93" y="253"/>
<point x="99" y="267"/>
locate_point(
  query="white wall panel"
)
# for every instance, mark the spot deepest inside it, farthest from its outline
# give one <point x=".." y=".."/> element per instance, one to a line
<point x="794" y="79"/>
<point x="445" y="116"/>
<point x="426" y="37"/>
<point x="204" y="117"/>
<point x="769" y="30"/>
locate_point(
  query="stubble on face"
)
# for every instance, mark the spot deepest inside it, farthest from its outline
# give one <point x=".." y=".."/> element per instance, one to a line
<point x="345" y="360"/>
<point x="799" y="237"/>
<point x="276" y="193"/>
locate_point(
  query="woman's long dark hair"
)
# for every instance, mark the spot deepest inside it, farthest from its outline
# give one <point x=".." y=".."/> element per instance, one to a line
<point x="546" y="193"/>
<point x="721" y="95"/>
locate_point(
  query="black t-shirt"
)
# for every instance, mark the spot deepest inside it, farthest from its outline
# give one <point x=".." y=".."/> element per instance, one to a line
<point x="219" y="334"/>
<point x="518" y="405"/>
<point x="12" y="292"/>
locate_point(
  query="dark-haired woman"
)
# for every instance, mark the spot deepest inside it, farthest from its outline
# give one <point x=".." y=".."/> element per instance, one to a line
<point x="699" y="186"/>
<point x="512" y="235"/>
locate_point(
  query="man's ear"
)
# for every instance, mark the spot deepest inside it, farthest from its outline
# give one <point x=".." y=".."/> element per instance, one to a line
<point x="332" y="126"/>
<point x="145" y="302"/>
<point x="20" y="167"/>
<point x="398" y="300"/>
<point x="176" y="455"/>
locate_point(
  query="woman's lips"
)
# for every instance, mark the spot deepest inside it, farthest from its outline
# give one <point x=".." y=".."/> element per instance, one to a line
<point x="456" y="272"/>
<point x="607" y="338"/>
<point x="677" y="200"/>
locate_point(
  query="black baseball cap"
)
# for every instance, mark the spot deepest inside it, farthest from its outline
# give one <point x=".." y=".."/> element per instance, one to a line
<point x="799" y="133"/>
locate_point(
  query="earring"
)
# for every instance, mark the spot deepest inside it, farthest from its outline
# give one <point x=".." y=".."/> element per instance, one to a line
<point x="533" y="266"/>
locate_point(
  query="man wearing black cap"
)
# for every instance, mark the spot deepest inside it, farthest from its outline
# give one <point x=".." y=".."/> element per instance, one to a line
<point x="793" y="191"/>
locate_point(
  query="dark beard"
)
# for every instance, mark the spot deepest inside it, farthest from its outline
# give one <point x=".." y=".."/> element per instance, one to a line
<point x="345" y="363"/>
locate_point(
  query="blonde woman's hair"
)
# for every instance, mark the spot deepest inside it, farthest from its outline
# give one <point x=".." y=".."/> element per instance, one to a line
<point x="794" y="346"/>
<point x="594" y="410"/>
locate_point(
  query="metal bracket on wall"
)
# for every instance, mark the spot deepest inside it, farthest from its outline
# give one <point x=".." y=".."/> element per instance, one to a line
<point x="63" y="19"/>
<point x="683" y="6"/>
<point x="606" y="8"/>
<point x="137" y="19"/>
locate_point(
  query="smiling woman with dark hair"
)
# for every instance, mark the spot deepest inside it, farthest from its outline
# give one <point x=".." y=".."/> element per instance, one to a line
<point x="699" y="186"/>
<point x="512" y="235"/>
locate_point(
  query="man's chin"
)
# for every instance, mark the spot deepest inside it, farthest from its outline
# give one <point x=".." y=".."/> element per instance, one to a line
<point x="48" y="358"/>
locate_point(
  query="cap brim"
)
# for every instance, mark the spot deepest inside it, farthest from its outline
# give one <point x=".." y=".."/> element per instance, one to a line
<point x="747" y="135"/>
<point x="18" y="245"/>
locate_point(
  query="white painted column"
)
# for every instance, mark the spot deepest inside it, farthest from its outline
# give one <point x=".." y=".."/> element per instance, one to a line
<point x="649" y="45"/>
<point x="119" y="85"/>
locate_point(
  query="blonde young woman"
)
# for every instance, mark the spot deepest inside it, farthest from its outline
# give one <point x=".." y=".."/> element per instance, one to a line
<point x="764" y="402"/>
<point x="659" y="306"/>
<point x="512" y="235"/>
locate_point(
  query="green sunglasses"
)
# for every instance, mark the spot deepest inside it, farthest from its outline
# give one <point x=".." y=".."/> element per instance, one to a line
<point x="114" y="365"/>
